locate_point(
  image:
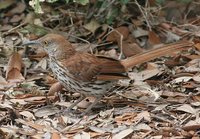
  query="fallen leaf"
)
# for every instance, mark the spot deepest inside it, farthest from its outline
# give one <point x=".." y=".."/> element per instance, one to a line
<point x="86" y="102"/>
<point x="142" y="126"/>
<point x="19" y="8"/>
<point x="16" y="18"/>
<point x="92" y="26"/>
<point x="153" y="38"/>
<point x="13" y="72"/>
<point x="130" y="49"/>
<point x="197" y="45"/>
<point x="42" y="64"/>
<point x="114" y="36"/>
<point x="187" y="108"/>
<point x="152" y="70"/>
<point x="3" y="82"/>
<point x="46" y="111"/>
<point x="143" y="115"/>
<point x="38" y="127"/>
<point x="6" y="3"/>
<point x="56" y="87"/>
<point x="15" y="61"/>
<point x="97" y="129"/>
<point x="82" y="135"/>
<point x="28" y="115"/>
<point x="55" y="135"/>
<point x="14" y="76"/>
<point x="196" y="78"/>
<point x="182" y="79"/>
<point x="123" y="134"/>
<point x="4" y="105"/>
<point x="191" y="127"/>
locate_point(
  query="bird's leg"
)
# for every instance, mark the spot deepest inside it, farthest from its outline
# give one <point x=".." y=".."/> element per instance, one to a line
<point x="92" y="105"/>
<point x="75" y="103"/>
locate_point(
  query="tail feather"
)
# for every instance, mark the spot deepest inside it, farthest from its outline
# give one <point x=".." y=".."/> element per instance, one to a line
<point x="155" y="53"/>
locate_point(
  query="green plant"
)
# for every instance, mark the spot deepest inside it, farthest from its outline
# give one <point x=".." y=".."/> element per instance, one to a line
<point x="37" y="7"/>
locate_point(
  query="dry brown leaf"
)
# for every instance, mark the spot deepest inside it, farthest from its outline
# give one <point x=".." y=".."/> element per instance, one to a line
<point x="126" y="118"/>
<point x="56" y="87"/>
<point x="114" y="36"/>
<point x="19" y="8"/>
<point x="153" y="38"/>
<point x="143" y="115"/>
<point x="86" y="102"/>
<point x="15" y="61"/>
<point x="197" y="45"/>
<point x="37" y="99"/>
<point x="14" y="76"/>
<point x="191" y="127"/>
<point x="92" y="26"/>
<point x="38" y="127"/>
<point x="130" y="49"/>
<point x="16" y="18"/>
<point x="13" y="72"/>
<point x="55" y="135"/>
<point x="50" y="80"/>
<point x="193" y="56"/>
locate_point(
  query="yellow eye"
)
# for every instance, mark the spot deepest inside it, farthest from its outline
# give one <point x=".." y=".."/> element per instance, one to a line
<point x="46" y="42"/>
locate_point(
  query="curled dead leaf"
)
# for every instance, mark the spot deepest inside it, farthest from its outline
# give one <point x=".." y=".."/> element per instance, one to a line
<point x="114" y="36"/>
<point x="130" y="49"/>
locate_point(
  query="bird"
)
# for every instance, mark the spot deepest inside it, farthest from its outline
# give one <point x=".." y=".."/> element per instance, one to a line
<point x="88" y="74"/>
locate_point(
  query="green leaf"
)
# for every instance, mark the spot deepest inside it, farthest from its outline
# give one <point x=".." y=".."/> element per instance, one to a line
<point x="6" y="3"/>
<point x="124" y="1"/>
<point x="83" y="2"/>
<point x="113" y="13"/>
<point x="160" y="1"/>
<point x="184" y="1"/>
<point x="35" y="29"/>
<point x="51" y="1"/>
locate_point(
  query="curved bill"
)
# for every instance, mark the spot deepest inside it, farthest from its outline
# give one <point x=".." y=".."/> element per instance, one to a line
<point x="34" y="42"/>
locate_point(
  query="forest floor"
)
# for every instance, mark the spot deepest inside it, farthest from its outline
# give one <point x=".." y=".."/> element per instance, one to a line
<point x="160" y="100"/>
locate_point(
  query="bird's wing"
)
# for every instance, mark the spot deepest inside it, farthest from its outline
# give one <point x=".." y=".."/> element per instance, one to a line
<point x="86" y="67"/>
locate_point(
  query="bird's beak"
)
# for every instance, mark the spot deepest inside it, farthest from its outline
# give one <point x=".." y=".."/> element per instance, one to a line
<point x="34" y="42"/>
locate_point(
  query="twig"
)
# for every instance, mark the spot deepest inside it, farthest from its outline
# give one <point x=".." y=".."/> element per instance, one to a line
<point x="83" y="41"/>
<point x="120" y="41"/>
<point x="20" y="25"/>
<point x="101" y="10"/>
<point x="144" y="15"/>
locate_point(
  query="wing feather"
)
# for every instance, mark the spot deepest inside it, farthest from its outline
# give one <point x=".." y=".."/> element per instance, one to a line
<point x="87" y="67"/>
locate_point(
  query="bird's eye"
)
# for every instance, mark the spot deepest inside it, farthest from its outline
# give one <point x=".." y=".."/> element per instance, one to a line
<point x="46" y="42"/>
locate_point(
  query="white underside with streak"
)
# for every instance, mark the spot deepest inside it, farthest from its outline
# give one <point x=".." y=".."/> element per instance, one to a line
<point x="86" y="88"/>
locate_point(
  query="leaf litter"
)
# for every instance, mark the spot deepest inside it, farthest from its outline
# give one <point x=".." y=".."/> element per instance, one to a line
<point x="31" y="99"/>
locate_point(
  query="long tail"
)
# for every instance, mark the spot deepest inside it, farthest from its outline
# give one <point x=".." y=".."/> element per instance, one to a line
<point x="155" y="53"/>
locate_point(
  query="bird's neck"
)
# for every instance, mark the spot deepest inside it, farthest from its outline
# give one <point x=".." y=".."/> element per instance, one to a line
<point x="62" y="53"/>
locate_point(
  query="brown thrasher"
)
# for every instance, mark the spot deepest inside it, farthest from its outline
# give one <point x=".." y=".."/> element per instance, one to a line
<point x="88" y="74"/>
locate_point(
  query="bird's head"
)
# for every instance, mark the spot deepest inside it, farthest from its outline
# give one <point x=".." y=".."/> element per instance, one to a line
<point x="54" y="44"/>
